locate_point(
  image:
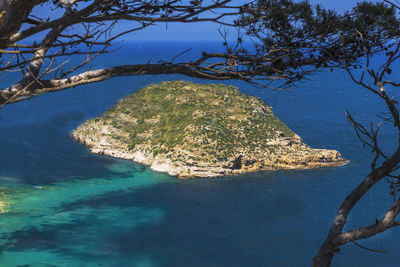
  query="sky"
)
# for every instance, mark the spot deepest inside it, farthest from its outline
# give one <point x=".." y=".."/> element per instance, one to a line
<point x="199" y="31"/>
<point x="208" y="31"/>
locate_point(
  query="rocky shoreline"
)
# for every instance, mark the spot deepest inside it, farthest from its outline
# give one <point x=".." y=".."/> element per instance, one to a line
<point x="281" y="149"/>
<point x="306" y="158"/>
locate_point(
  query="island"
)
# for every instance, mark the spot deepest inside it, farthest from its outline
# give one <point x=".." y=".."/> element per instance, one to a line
<point x="199" y="130"/>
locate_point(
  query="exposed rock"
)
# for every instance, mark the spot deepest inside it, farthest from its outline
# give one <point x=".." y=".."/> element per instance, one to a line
<point x="237" y="163"/>
<point x="190" y="130"/>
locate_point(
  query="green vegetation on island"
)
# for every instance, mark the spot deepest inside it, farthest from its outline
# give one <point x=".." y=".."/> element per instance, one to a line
<point x="189" y="125"/>
<point x="214" y="119"/>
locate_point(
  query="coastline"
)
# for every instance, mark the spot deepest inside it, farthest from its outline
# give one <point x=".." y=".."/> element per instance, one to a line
<point x="199" y="130"/>
<point x="162" y="164"/>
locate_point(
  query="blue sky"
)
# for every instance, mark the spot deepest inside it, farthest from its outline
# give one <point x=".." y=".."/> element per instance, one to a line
<point x="208" y="31"/>
<point x="200" y="31"/>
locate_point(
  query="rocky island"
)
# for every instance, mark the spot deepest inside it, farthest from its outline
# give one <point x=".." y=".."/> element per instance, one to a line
<point x="192" y="130"/>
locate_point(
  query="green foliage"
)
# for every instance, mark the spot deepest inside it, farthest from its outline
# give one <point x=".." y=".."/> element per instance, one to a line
<point x="298" y="34"/>
<point x="211" y="121"/>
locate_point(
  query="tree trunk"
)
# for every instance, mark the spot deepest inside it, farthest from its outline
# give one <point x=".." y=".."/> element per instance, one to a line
<point x="325" y="254"/>
<point x="12" y="14"/>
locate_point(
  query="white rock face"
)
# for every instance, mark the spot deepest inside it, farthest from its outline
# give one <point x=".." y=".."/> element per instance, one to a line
<point x="189" y="130"/>
<point x="102" y="140"/>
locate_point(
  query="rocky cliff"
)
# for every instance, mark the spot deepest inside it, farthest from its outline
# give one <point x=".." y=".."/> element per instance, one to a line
<point x="192" y="130"/>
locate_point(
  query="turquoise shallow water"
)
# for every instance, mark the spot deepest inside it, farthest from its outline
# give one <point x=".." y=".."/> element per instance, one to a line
<point x="47" y="209"/>
<point x="68" y="207"/>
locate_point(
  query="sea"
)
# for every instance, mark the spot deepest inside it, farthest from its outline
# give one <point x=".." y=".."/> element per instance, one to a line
<point x="68" y="207"/>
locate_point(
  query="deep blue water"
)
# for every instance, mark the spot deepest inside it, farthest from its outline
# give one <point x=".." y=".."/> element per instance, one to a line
<point x="68" y="207"/>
